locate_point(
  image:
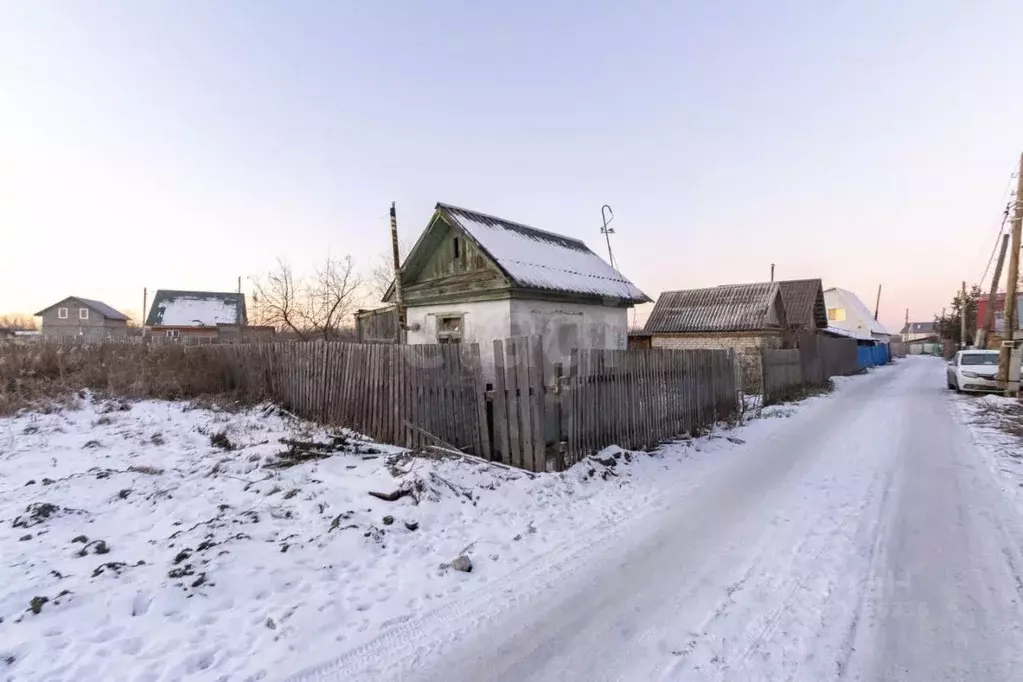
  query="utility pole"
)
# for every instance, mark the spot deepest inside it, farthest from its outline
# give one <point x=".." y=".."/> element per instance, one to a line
<point x="962" y="318"/>
<point x="989" y="314"/>
<point x="1004" y="359"/>
<point x="399" y="302"/>
<point x="907" y="325"/>
<point x="877" y="305"/>
<point x="772" y="272"/>
<point x="145" y="301"/>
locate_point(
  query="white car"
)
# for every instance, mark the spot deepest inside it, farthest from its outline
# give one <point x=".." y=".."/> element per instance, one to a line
<point x="973" y="370"/>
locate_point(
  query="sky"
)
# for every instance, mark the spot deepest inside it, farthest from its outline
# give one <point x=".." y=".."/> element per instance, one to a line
<point x="184" y="144"/>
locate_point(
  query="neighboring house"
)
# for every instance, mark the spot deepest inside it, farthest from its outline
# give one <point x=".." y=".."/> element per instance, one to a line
<point x="82" y="318"/>
<point x="740" y="317"/>
<point x="198" y="316"/>
<point x="804" y="304"/>
<point x="999" y="318"/>
<point x="473" y="277"/>
<point x="846" y="311"/>
<point x="916" y="331"/>
<point x="744" y="317"/>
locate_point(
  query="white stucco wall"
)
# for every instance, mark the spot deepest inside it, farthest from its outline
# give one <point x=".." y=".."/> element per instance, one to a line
<point x="483" y="322"/>
<point x="564" y="326"/>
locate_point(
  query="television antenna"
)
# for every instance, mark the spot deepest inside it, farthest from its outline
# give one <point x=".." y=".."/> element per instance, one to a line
<point x="608" y="215"/>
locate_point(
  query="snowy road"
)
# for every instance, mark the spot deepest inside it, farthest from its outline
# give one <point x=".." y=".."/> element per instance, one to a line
<point x="862" y="538"/>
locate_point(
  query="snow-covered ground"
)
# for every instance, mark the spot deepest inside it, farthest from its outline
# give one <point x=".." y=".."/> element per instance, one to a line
<point x="859" y="535"/>
<point x="855" y="537"/>
<point x="996" y="423"/>
<point x="154" y="541"/>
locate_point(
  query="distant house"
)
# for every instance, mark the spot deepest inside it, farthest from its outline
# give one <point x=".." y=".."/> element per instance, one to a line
<point x="918" y="331"/>
<point x="82" y="318"/>
<point x="847" y="312"/>
<point x="999" y="317"/>
<point x="744" y="317"/>
<point x="472" y="277"/>
<point x="201" y="316"/>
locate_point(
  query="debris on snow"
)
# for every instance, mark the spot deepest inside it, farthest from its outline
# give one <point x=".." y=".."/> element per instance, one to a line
<point x="462" y="563"/>
<point x="286" y="526"/>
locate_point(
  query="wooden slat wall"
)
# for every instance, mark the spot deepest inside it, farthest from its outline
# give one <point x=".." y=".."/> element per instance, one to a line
<point x="639" y="398"/>
<point x="388" y="392"/>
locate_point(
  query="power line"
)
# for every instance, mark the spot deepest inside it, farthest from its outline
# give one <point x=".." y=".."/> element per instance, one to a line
<point x="1001" y="228"/>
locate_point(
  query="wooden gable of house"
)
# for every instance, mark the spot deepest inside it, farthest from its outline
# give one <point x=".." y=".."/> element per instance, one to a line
<point x="445" y="265"/>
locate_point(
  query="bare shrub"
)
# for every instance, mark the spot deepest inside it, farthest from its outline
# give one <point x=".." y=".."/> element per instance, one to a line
<point x="32" y="375"/>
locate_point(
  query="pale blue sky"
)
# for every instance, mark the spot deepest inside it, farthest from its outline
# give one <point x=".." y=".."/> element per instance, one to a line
<point x="182" y="144"/>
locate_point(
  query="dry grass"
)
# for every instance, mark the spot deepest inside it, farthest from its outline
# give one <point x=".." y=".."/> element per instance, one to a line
<point x="38" y="374"/>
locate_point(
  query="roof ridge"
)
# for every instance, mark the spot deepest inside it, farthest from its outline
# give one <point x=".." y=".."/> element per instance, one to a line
<point x="452" y="207"/>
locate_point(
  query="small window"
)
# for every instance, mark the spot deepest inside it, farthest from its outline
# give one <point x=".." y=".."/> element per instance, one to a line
<point x="449" y="329"/>
<point x="173" y="333"/>
<point x="61" y="313"/>
<point x="836" y="314"/>
<point x="83" y="313"/>
<point x="458" y="250"/>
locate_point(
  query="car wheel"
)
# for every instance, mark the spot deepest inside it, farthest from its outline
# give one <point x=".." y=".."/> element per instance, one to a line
<point x="957" y="389"/>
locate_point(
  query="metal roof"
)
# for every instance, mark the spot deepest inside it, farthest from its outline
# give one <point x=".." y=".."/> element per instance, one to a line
<point x="99" y="306"/>
<point x="196" y="309"/>
<point x="536" y="259"/>
<point x="726" y="308"/>
<point x="804" y="303"/>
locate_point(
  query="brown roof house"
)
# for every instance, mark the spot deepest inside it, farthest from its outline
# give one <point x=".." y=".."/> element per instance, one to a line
<point x="82" y="318"/>
<point x="740" y="317"/>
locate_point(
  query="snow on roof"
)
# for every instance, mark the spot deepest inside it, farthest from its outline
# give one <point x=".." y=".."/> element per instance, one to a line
<point x="537" y="259"/>
<point x="196" y="309"/>
<point x="859" y="310"/>
<point x="838" y="331"/>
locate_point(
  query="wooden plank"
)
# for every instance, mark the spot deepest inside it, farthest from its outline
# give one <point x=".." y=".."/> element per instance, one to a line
<point x="448" y="370"/>
<point x="373" y="386"/>
<point x="502" y="450"/>
<point x="536" y="400"/>
<point x="483" y="432"/>
<point x="589" y="405"/>
<point x="512" y="384"/>
<point x="568" y="409"/>
<point x="526" y="432"/>
<point x="415" y="395"/>
<point x="456" y="377"/>
<point x="617" y="401"/>
<point x="626" y="378"/>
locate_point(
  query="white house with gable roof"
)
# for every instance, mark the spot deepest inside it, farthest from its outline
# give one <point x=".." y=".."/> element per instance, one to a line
<point x="847" y="312"/>
<point x="474" y="278"/>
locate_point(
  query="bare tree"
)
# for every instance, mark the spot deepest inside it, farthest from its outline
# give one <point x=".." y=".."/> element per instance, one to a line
<point x="332" y="297"/>
<point x="313" y="307"/>
<point x="18" y="322"/>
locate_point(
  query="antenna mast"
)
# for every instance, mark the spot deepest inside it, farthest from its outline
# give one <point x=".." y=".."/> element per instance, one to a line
<point x="608" y="215"/>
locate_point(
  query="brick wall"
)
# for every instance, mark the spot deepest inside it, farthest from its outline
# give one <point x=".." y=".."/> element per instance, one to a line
<point x="746" y="346"/>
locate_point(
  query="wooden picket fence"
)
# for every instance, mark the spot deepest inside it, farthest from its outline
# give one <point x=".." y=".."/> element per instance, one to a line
<point x="548" y="417"/>
<point x="782" y="374"/>
<point x="639" y="398"/>
<point x="405" y="395"/>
